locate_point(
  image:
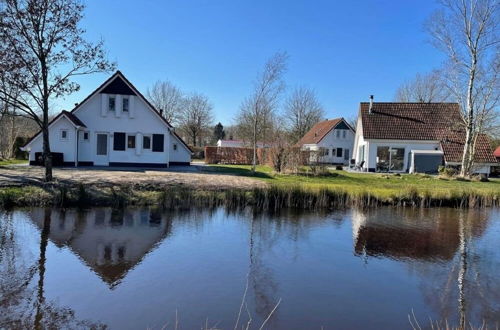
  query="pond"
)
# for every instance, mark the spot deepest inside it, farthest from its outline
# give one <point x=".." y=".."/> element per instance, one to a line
<point x="140" y="268"/>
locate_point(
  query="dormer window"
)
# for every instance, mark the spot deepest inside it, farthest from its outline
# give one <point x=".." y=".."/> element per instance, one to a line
<point x="111" y="103"/>
<point x="125" y="105"/>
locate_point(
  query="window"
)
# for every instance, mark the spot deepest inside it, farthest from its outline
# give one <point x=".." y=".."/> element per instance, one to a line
<point x="338" y="134"/>
<point x="131" y="141"/>
<point x="85" y="136"/>
<point x="119" y="141"/>
<point x="344" y="132"/>
<point x="125" y="105"/>
<point x="333" y="152"/>
<point x="390" y="159"/>
<point x="146" y="142"/>
<point x="111" y="103"/>
<point x="175" y="146"/>
<point x="64" y="134"/>
<point x="339" y="152"/>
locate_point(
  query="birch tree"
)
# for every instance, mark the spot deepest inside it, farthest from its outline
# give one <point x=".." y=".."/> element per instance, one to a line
<point x="257" y="110"/>
<point x="41" y="49"/>
<point x="467" y="31"/>
<point x="302" y="112"/>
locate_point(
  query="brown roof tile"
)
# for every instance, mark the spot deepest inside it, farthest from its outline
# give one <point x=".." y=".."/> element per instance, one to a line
<point x="422" y="121"/>
<point x="319" y="131"/>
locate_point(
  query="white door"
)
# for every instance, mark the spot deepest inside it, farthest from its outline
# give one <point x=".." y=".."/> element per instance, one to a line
<point x="102" y="149"/>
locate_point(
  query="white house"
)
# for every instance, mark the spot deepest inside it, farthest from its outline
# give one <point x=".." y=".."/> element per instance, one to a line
<point x="333" y="139"/>
<point x="414" y="137"/>
<point x="113" y="126"/>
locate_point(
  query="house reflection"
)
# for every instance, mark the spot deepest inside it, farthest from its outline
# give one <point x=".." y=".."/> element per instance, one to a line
<point x="110" y="241"/>
<point x="418" y="234"/>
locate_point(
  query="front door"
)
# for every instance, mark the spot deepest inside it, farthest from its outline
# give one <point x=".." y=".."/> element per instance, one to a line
<point x="102" y="150"/>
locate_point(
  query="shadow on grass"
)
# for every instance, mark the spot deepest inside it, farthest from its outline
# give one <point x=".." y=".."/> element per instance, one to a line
<point x="236" y="171"/>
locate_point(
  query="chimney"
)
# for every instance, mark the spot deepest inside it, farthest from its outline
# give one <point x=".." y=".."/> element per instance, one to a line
<point x="161" y="112"/>
<point x="371" y="104"/>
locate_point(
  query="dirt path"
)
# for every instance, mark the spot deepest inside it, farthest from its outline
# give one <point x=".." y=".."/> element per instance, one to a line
<point x="192" y="176"/>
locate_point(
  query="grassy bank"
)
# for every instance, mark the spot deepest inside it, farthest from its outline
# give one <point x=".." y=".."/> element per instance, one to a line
<point x="273" y="197"/>
<point x="6" y="162"/>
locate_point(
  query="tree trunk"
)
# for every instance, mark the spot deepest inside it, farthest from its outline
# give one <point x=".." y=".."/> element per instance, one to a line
<point x="47" y="155"/>
<point x="254" y="161"/>
<point x="468" y="153"/>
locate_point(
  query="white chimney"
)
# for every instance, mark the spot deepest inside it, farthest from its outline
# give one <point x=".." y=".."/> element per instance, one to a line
<point x="371" y="104"/>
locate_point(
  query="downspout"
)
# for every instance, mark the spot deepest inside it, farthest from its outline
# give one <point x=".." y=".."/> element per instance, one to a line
<point x="76" y="155"/>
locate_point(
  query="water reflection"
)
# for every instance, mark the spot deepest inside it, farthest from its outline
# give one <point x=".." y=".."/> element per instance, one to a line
<point x="328" y="268"/>
<point x="109" y="241"/>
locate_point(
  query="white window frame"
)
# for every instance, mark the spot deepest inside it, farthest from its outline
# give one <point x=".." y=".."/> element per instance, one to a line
<point x="344" y="134"/>
<point x="174" y="147"/>
<point x="61" y="134"/>
<point x="128" y="104"/>
<point x="337" y="134"/>
<point x="150" y="142"/>
<point x="83" y="136"/>
<point x="126" y="142"/>
<point x="112" y="97"/>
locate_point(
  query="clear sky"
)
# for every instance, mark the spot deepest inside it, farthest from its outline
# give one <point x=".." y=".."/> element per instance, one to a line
<point x="344" y="50"/>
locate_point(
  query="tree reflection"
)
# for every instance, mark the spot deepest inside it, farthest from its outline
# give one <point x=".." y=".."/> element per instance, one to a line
<point x="22" y="300"/>
<point x="447" y="249"/>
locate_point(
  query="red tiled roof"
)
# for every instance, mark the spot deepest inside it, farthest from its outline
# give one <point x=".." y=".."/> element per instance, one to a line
<point x="422" y="121"/>
<point x="319" y="131"/>
<point x="496" y="153"/>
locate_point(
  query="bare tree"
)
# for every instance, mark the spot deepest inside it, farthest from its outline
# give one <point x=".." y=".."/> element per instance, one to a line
<point x="302" y="111"/>
<point x="196" y="117"/>
<point x="257" y="111"/>
<point x="41" y="49"/>
<point x="423" y="88"/>
<point x="166" y="96"/>
<point x="467" y="31"/>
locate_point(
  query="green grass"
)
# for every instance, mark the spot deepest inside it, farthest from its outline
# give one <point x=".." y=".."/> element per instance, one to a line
<point x="383" y="186"/>
<point x="4" y="162"/>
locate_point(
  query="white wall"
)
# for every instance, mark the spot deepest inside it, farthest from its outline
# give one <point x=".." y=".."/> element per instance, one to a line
<point x="67" y="147"/>
<point x="331" y="141"/>
<point x="143" y="122"/>
<point x="408" y="145"/>
<point x="182" y="154"/>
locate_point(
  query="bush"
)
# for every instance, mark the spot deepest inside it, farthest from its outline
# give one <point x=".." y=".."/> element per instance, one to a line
<point x="447" y="171"/>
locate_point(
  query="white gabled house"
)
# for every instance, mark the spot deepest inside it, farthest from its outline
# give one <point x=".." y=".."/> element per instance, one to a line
<point x="333" y="139"/>
<point x="414" y="138"/>
<point x="113" y="126"/>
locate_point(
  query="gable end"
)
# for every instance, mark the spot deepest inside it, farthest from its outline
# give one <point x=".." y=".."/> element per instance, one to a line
<point x="118" y="86"/>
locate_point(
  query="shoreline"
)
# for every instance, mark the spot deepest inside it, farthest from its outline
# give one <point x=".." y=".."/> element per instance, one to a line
<point x="268" y="197"/>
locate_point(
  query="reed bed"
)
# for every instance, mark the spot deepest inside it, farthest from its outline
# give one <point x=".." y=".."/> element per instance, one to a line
<point x="273" y="197"/>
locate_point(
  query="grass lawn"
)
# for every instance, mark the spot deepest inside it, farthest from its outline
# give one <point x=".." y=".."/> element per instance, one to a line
<point x="4" y="162"/>
<point x="381" y="185"/>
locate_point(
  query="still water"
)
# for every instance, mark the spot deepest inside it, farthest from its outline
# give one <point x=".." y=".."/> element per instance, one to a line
<point x="147" y="268"/>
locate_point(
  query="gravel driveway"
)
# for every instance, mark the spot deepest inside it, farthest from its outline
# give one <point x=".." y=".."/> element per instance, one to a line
<point x="190" y="176"/>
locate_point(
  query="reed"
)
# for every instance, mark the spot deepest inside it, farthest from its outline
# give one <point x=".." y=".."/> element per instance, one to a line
<point x="271" y="198"/>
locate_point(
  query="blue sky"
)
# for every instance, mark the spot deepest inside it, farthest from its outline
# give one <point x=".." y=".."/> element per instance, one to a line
<point x="344" y="50"/>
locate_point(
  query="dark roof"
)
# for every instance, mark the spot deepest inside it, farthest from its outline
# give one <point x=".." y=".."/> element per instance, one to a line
<point x="408" y="121"/>
<point x="71" y="117"/>
<point x="422" y="121"/>
<point x="453" y="147"/>
<point x="321" y="129"/>
<point x="76" y="121"/>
